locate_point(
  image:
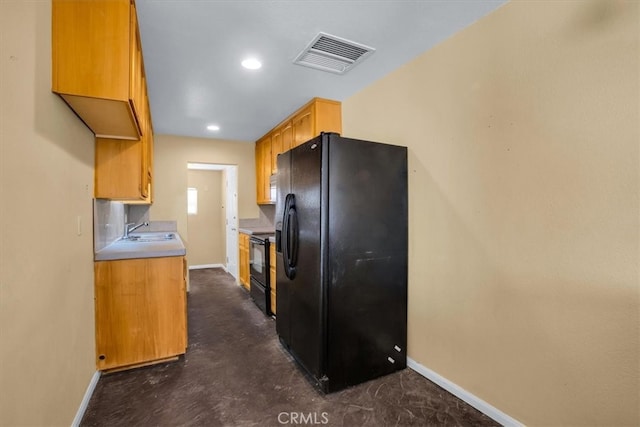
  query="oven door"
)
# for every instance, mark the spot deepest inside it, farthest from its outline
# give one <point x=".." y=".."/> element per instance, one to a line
<point x="258" y="261"/>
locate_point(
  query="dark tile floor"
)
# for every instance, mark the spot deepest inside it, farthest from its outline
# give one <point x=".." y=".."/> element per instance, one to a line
<point x="235" y="373"/>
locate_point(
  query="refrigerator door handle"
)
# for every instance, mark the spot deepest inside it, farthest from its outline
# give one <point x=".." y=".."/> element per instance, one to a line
<point x="285" y="235"/>
<point x="289" y="248"/>
<point x="293" y="221"/>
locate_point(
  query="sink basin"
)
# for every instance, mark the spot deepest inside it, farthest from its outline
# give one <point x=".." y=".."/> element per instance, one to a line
<point x="143" y="245"/>
<point x="150" y="237"/>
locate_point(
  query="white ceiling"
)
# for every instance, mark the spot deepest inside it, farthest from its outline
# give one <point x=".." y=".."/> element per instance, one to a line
<point x="193" y="49"/>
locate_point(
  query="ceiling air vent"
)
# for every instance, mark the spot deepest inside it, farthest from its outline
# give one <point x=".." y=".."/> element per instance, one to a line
<point x="333" y="54"/>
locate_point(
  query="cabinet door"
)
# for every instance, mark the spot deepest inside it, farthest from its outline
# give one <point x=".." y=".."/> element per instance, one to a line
<point x="140" y="307"/>
<point x="91" y="63"/>
<point x="328" y="116"/>
<point x="272" y="278"/>
<point x="244" y="260"/>
<point x="147" y="145"/>
<point x="118" y="170"/>
<point x="302" y="127"/>
<point x="287" y="137"/>
<point x="276" y="148"/>
<point x="150" y="160"/>
<point x="263" y="170"/>
<point x="266" y="170"/>
<point x="136" y="87"/>
<point x="259" y="176"/>
<point x="124" y="168"/>
<point x="90" y="43"/>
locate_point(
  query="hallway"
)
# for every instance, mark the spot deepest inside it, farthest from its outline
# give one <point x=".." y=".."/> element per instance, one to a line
<point x="235" y="373"/>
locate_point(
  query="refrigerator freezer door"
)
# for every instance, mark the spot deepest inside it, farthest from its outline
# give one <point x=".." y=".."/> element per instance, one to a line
<point x="283" y="187"/>
<point x="299" y="318"/>
<point x="305" y="302"/>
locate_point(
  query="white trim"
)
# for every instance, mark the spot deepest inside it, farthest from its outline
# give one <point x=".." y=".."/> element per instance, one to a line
<point x="201" y="266"/>
<point x="207" y="166"/>
<point x="85" y="400"/>
<point x="463" y="394"/>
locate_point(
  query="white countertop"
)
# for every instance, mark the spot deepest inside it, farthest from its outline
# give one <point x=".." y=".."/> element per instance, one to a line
<point x="143" y="245"/>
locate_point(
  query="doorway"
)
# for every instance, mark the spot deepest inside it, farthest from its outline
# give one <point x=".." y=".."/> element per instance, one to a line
<point x="229" y="203"/>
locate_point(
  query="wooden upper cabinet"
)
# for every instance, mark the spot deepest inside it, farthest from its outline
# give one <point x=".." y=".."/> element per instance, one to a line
<point x="121" y="172"/>
<point x="281" y="141"/>
<point x="123" y="160"/>
<point x="97" y="64"/>
<point x="259" y="176"/>
<point x="137" y="78"/>
<point x="124" y="168"/>
<point x="147" y="146"/>
<point x="303" y="127"/>
<point x="266" y="170"/>
<point x="263" y="169"/>
<point x="276" y="148"/>
<point x="318" y="115"/>
<point x="287" y="138"/>
<point x="327" y="116"/>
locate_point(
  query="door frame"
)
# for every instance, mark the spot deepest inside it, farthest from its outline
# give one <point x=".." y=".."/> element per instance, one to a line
<point x="231" y="209"/>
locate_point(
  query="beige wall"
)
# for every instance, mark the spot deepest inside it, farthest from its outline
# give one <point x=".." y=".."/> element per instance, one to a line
<point x="207" y="234"/>
<point x="524" y="216"/>
<point x="171" y="155"/>
<point x="46" y="269"/>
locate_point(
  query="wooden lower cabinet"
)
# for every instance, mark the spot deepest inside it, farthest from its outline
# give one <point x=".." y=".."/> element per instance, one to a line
<point x="244" y="259"/>
<point x="141" y="311"/>
<point x="272" y="278"/>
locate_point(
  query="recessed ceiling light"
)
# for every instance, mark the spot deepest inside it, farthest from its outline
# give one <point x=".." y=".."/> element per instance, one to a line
<point x="213" y="127"/>
<point x="251" y="64"/>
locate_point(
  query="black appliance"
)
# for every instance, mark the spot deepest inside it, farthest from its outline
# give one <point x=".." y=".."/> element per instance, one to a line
<point x="259" y="287"/>
<point x="341" y="249"/>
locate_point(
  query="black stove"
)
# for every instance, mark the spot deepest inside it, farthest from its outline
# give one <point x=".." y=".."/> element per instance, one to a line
<point x="260" y="287"/>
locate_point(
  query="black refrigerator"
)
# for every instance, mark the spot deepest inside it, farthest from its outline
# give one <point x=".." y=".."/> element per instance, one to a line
<point x="341" y="249"/>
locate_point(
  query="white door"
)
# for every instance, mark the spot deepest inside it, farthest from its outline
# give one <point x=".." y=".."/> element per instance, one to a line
<point x="231" y="173"/>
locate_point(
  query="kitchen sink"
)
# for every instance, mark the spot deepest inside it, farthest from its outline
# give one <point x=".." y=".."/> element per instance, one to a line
<point x="150" y="237"/>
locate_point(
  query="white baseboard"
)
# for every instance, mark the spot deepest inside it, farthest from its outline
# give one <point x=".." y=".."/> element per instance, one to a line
<point x="198" y="267"/>
<point x="463" y="394"/>
<point x="85" y="400"/>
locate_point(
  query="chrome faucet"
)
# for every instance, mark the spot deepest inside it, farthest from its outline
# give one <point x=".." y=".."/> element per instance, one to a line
<point x="128" y="230"/>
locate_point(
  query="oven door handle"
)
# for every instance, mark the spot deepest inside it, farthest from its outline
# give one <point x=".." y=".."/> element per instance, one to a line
<point x="257" y="241"/>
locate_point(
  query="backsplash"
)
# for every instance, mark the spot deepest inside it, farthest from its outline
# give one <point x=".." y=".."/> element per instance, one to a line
<point x="108" y="222"/>
<point x="267" y="213"/>
<point x="137" y="213"/>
